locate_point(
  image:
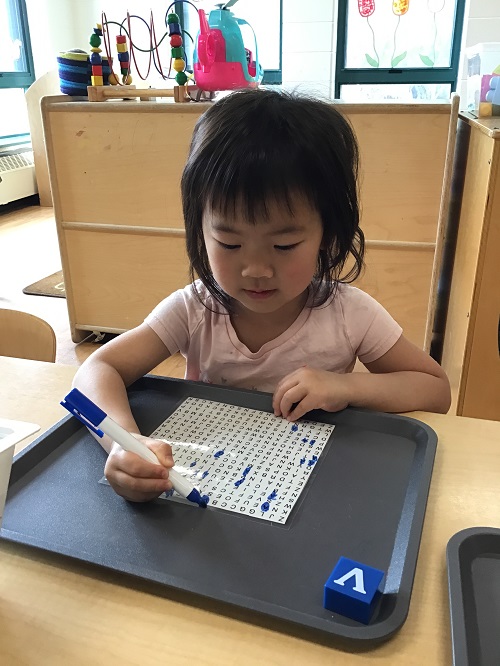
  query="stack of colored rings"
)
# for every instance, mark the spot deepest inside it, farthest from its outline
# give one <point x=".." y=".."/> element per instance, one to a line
<point x="179" y="64"/>
<point x="74" y="74"/>
<point x="95" y="56"/>
<point x="124" y="58"/>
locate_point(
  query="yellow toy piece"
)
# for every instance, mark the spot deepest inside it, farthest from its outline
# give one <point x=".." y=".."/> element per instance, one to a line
<point x="178" y="64"/>
<point x="485" y="109"/>
<point x="121" y="48"/>
<point x="97" y="80"/>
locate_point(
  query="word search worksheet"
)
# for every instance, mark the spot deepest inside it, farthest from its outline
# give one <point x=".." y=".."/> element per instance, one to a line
<point x="246" y="460"/>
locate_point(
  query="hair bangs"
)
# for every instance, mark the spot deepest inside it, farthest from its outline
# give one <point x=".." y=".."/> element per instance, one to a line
<point x="248" y="182"/>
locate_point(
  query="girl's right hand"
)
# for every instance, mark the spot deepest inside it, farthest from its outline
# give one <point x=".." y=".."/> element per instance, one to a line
<point x="136" y="479"/>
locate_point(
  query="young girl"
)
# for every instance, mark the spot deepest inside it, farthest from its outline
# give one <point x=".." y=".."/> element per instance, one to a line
<point x="272" y="229"/>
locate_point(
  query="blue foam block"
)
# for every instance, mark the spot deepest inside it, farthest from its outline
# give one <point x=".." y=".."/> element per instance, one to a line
<point x="352" y="590"/>
<point x="493" y="94"/>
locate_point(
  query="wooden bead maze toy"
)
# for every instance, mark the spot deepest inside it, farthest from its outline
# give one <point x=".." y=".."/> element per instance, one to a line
<point x="220" y="60"/>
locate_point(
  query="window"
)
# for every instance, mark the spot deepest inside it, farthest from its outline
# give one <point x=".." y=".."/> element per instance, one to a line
<point x="265" y="28"/>
<point x="16" y="67"/>
<point x="398" y="49"/>
<point x="16" y="60"/>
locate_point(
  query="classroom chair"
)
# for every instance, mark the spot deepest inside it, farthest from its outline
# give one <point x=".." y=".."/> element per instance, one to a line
<point x="24" y="335"/>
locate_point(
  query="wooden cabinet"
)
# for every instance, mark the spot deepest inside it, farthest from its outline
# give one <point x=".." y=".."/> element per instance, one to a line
<point x="406" y="154"/>
<point x="471" y="348"/>
<point x="115" y="171"/>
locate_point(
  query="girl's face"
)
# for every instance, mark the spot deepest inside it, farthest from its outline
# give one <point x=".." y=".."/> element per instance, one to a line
<point x="267" y="265"/>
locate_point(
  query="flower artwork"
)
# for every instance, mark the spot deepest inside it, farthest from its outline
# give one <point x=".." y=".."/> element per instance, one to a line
<point x="399" y="8"/>
<point x="366" y="9"/>
<point x="434" y="6"/>
<point x="403" y="32"/>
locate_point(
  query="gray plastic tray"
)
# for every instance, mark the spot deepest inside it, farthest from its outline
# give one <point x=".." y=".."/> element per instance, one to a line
<point x="365" y="500"/>
<point x="473" y="557"/>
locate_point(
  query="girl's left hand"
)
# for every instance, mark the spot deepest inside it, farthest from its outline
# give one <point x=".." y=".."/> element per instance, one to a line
<point x="308" y="388"/>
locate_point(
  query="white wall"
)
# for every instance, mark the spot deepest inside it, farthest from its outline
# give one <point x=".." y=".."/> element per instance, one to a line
<point x="309" y="33"/>
<point x="308" y="45"/>
<point x="54" y="26"/>
<point x="61" y="25"/>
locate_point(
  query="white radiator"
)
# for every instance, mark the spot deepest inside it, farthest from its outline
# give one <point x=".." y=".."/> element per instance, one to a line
<point x="17" y="175"/>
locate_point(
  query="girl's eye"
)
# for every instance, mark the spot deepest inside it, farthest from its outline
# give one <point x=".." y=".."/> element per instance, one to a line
<point x="228" y="247"/>
<point x="286" y="247"/>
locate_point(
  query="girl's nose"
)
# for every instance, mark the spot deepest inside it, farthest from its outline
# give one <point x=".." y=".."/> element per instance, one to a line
<point x="257" y="268"/>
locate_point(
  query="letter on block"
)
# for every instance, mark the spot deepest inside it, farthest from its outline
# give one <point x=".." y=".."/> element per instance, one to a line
<point x="352" y="590"/>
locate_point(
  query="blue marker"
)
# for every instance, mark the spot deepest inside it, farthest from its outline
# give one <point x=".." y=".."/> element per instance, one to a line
<point x="218" y="454"/>
<point x="265" y="506"/>
<point x="99" y="422"/>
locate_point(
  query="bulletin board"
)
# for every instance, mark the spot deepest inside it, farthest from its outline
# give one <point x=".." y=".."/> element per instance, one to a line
<point x="366" y="478"/>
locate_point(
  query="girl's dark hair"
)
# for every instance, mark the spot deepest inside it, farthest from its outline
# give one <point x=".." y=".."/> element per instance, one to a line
<point x="257" y="146"/>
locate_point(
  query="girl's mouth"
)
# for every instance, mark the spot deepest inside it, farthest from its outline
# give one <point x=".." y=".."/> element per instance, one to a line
<point x="259" y="295"/>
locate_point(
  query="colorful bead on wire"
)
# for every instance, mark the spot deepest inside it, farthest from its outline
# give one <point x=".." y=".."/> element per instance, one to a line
<point x="124" y="59"/>
<point x="95" y="56"/>
<point x="177" y="52"/>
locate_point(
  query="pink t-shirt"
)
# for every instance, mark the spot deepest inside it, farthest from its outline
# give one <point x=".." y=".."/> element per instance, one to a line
<point x="330" y="337"/>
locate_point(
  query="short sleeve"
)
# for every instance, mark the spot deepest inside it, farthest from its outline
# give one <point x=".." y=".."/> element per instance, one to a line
<point x="170" y="321"/>
<point x="370" y="328"/>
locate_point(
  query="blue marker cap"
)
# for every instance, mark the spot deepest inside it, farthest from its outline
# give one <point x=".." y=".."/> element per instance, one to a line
<point x="84" y="410"/>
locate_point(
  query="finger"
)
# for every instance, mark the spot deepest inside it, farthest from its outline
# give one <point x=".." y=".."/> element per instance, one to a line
<point x="292" y="396"/>
<point x="134" y="496"/>
<point x="134" y="478"/>
<point x="288" y="382"/>
<point x="135" y="466"/>
<point x="136" y="489"/>
<point x="277" y="397"/>
<point x="285" y="385"/>
<point x="137" y="485"/>
<point x="163" y="451"/>
<point x="304" y="406"/>
<point x="160" y="447"/>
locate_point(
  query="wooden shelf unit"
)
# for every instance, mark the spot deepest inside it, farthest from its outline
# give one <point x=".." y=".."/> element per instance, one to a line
<point x="471" y="347"/>
<point x="115" y="171"/>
